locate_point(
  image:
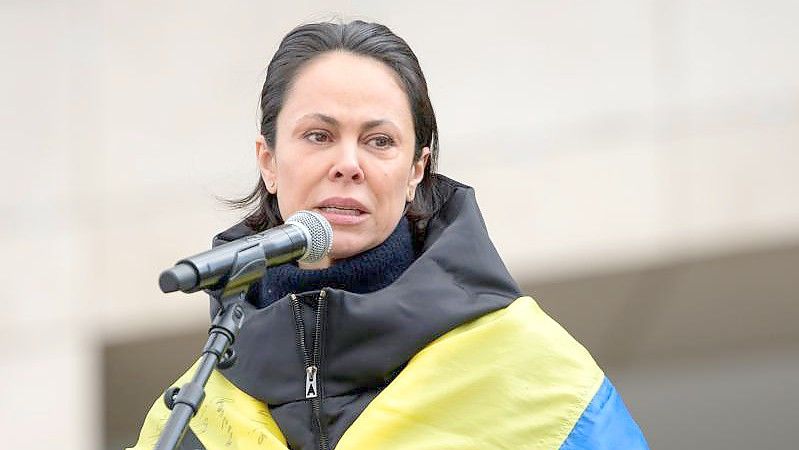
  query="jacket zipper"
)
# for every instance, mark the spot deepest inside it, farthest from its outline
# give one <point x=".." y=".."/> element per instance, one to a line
<point x="312" y="361"/>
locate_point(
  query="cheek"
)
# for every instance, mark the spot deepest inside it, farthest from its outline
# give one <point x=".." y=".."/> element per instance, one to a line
<point x="391" y="196"/>
<point x="293" y="189"/>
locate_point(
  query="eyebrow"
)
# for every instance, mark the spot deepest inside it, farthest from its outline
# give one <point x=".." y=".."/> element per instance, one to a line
<point x="332" y="121"/>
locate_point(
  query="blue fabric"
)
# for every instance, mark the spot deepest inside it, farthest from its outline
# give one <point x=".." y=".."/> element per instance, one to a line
<point x="605" y="425"/>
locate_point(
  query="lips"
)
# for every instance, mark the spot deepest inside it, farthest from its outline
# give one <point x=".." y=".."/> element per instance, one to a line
<point x="342" y="210"/>
<point x="336" y="210"/>
<point x="342" y="204"/>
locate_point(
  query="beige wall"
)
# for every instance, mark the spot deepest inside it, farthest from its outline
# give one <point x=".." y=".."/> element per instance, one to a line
<point x="601" y="137"/>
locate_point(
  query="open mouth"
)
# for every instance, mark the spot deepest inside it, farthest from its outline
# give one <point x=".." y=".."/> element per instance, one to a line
<point x="340" y="210"/>
<point x="343" y="211"/>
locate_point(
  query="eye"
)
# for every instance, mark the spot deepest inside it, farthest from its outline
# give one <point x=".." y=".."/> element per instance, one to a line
<point x="317" y="137"/>
<point x="381" y="142"/>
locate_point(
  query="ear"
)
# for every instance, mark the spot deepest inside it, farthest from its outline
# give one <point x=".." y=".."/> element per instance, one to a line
<point x="417" y="173"/>
<point x="266" y="164"/>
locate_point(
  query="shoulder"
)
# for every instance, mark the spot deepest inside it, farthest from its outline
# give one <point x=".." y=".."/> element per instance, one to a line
<point x="512" y="376"/>
<point x="237" y="231"/>
<point x="227" y="414"/>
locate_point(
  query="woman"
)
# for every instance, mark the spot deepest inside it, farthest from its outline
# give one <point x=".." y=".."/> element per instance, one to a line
<point x="411" y="334"/>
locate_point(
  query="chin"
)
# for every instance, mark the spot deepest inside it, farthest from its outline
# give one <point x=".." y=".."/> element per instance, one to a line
<point x="344" y="248"/>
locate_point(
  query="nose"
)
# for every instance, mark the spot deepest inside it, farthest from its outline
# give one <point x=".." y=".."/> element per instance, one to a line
<point x="346" y="166"/>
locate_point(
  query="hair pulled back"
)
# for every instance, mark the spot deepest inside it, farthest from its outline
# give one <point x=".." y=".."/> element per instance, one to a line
<point x="306" y="42"/>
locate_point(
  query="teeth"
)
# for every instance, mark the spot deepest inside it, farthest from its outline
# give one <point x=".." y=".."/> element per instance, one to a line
<point x="343" y="211"/>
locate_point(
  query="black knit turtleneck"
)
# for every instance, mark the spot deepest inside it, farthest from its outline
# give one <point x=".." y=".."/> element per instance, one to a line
<point x="366" y="272"/>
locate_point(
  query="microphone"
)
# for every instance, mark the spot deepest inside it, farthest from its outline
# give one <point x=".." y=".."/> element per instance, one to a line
<point x="305" y="236"/>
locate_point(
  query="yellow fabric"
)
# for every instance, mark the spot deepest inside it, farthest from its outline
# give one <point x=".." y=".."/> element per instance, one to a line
<point x="513" y="379"/>
<point x="228" y="418"/>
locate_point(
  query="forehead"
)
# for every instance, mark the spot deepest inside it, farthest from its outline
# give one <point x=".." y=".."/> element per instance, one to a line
<point x="349" y="88"/>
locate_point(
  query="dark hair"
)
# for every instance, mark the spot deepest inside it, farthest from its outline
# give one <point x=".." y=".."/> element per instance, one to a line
<point x="306" y="42"/>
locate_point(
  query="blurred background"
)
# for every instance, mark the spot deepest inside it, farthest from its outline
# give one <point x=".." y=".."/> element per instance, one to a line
<point x="637" y="163"/>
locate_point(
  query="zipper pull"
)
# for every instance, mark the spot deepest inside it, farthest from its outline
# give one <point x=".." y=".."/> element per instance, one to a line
<point x="310" y="382"/>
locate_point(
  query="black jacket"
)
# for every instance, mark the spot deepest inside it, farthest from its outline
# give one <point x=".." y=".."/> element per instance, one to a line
<point x="361" y="341"/>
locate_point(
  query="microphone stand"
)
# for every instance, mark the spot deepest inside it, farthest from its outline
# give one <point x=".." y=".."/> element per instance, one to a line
<point x="218" y="351"/>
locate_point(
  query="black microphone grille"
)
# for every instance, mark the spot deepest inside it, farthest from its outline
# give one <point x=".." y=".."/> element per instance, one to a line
<point x="319" y="231"/>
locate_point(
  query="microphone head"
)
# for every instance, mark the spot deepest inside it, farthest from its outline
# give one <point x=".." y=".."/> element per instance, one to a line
<point x="318" y="231"/>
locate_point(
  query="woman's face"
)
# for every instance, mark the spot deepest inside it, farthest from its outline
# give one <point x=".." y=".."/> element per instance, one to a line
<point x="344" y="148"/>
